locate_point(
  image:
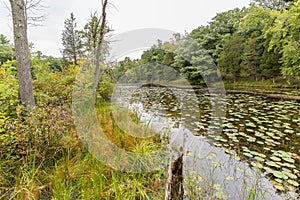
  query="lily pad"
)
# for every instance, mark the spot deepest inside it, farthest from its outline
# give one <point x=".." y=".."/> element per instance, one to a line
<point x="292" y="176"/>
<point x="294" y="183"/>
<point x="272" y="164"/>
<point x="260" y="159"/>
<point x="248" y="155"/>
<point x="275" y="158"/>
<point x="279" y="174"/>
<point x="290" y="160"/>
<point x="257" y="165"/>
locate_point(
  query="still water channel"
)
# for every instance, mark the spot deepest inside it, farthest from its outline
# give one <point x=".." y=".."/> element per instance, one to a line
<point x="250" y="144"/>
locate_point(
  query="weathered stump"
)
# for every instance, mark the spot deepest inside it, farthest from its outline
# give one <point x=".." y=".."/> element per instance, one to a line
<point x="174" y="185"/>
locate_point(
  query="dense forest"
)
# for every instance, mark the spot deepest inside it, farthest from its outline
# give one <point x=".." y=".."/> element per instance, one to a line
<point x="41" y="154"/>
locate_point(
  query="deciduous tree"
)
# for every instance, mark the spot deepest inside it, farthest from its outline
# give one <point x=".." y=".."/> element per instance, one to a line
<point x="18" y="9"/>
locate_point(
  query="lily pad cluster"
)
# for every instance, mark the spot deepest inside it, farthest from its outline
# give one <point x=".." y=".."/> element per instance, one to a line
<point x="262" y="131"/>
<point x="265" y="133"/>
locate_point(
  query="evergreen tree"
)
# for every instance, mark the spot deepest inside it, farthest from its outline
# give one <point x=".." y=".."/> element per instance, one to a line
<point x="251" y="59"/>
<point x="71" y="41"/>
<point x="231" y="56"/>
<point x="6" y="50"/>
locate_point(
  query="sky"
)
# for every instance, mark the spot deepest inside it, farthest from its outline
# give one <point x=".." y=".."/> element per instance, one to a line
<point x="123" y="15"/>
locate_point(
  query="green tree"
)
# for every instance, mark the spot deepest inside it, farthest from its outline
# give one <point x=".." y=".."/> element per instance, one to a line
<point x="90" y="34"/>
<point x="273" y="4"/>
<point x="231" y="56"/>
<point x="210" y="37"/>
<point x="6" y="50"/>
<point x="71" y="41"/>
<point x="251" y="58"/>
<point x="253" y="28"/>
<point x="285" y="38"/>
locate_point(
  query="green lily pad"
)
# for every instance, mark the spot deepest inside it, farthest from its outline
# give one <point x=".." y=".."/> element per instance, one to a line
<point x="280" y="175"/>
<point x="275" y="158"/>
<point x="268" y="169"/>
<point x="289" y="165"/>
<point x="290" y="160"/>
<point x="294" y="183"/>
<point x="251" y="139"/>
<point x="260" y="142"/>
<point x="289" y="131"/>
<point x="260" y="159"/>
<point x="292" y="176"/>
<point x="278" y="180"/>
<point x="248" y="155"/>
<point x="272" y="164"/>
<point x="257" y="165"/>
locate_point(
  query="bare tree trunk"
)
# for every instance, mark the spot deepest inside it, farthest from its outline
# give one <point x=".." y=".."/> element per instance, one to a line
<point x="18" y="10"/>
<point x="99" y="47"/>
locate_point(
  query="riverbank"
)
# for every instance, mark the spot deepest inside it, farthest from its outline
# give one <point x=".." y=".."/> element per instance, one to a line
<point x="263" y="88"/>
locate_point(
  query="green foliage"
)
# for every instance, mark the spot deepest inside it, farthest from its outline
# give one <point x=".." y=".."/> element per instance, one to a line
<point x="91" y="33"/>
<point x="231" y="56"/>
<point x="71" y="41"/>
<point x="273" y="4"/>
<point x="210" y="37"/>
<point x="284" y="38"/>
<point x="105" y="89"/>
<point x="40" y="132"/>
<point x="63" y="82"/>
<point x="8" y="92"/>
<point x="117" y="70"/>
<point x="193" y="62"/>
<point x="251" y="59"/>
<point x="6" y="50"/>
<point x="56" y="64"/>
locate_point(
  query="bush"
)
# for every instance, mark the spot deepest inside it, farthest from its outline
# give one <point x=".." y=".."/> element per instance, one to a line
<point x="56" y="88"/>
<point x="8" y="92"/>
<point x="47" y="133"/>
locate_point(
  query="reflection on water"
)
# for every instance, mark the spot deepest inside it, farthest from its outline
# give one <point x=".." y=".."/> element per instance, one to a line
<point x="262" y="132"/>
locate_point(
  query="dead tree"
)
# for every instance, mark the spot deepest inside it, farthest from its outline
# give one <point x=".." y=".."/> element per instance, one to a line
<point x="99" y="48"/>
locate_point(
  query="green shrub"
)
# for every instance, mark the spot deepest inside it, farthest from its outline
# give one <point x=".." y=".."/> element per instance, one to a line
<point x="8" y="92"/>
<point x="56" y="88"/>
<point x="47" y="133"/>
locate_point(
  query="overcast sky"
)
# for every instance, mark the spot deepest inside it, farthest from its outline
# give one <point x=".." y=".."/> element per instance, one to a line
<point x="124" y="15"/>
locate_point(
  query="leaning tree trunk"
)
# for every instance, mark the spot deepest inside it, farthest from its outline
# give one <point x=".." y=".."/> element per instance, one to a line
<point x="18" y="10"/>
<point x="99" y="48"/>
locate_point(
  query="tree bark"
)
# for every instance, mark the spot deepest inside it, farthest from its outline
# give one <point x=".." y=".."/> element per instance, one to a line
<point x="174" y="186"/>
<point x="99" y="47"/>
<point x="18" y="10"/>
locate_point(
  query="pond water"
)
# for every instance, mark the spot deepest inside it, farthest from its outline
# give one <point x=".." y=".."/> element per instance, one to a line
<point x="250" y="142"/>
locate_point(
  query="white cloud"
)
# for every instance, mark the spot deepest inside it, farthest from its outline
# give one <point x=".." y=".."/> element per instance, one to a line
<point x="175" y="15"/>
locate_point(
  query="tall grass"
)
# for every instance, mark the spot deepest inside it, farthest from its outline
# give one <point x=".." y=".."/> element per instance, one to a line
<point x="76" y="174"/>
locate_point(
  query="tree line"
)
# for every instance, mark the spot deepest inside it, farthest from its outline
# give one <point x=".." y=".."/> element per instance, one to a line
<point x="255" y="43"/>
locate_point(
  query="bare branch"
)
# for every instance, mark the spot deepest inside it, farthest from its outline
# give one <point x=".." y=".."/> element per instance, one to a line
<point x="32" y="12"/>
<point x="115" y="7"/>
